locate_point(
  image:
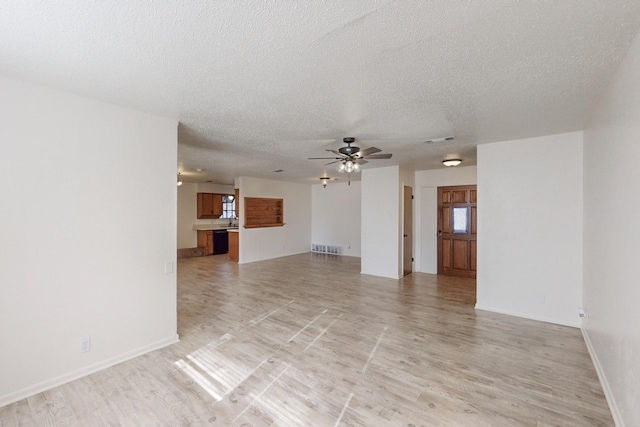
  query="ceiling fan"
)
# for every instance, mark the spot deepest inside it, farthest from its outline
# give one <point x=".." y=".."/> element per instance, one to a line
<point x="351" y="158"/>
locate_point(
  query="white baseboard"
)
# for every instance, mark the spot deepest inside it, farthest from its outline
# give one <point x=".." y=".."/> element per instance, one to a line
<point x="74" y="375"/>
<point x="273" y="257"/>
<point x="370" y="273"/>
<point x="575" y="324"/>
<point x="615" y="412"/>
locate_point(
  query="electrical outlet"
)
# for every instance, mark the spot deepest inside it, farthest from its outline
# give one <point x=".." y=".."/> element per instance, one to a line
<point x="540" y="298"/>
<point x="582" y="312"/>
<point x="85" y="344"/>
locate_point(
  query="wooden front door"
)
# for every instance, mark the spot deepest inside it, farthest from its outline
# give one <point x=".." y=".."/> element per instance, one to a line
<point x="457" y="223"/>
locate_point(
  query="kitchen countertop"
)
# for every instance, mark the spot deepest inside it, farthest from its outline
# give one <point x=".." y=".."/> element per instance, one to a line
<point x="212" y="227"/>
<point x="232" y="230"/>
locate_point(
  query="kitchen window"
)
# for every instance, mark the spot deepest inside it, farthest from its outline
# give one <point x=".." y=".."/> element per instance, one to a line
<point x="228" y="207"/>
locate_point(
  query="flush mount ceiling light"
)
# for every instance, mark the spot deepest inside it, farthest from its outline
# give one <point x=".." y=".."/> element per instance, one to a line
<point x="325" y="181"/>
<point x="179" y="180"/>
<point x="451" y="162"/>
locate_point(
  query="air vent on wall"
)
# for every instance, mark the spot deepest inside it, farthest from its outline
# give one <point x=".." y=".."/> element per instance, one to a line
<point x="326" y="249"/>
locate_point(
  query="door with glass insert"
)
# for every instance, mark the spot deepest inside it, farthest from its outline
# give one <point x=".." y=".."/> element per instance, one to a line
<point x="457" y="223"/>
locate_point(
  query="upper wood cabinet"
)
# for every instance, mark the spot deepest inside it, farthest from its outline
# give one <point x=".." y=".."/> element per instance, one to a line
<point x="209" y="205"/>
<point x="217" y="205"/>
<point x="237" y="199"/>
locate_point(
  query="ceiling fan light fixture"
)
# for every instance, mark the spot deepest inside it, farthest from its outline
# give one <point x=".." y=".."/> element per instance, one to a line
<point x="451" y="162"/>
<point x="349" y="166"/>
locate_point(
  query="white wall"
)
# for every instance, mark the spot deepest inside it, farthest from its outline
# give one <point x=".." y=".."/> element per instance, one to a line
<point x="272" y="242"/>
<point x="87" y="225"/>
<point x="380" y="189"/>
<point x="210" y="187"/>
<point x="530" y="228"/>
<point x="611" y="251"/>
<point x="188" y="210"/>
<point x="426" y="211"/>
<point x="335" y="218"/>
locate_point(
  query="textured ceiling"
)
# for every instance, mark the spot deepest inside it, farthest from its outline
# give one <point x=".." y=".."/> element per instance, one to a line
<point x="262" y="85"/>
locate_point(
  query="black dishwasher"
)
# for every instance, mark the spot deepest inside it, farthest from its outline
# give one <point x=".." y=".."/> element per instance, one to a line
<point x="220" y="242"/>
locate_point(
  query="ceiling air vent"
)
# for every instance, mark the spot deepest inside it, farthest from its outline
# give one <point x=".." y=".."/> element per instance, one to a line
<point x="439" y="140"/>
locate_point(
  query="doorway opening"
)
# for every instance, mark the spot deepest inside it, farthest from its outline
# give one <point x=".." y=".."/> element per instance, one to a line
<point x="407" y="237"/>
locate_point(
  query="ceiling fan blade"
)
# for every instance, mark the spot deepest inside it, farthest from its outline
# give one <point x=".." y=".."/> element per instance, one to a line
<point x="368" y="151"/>
<point x="324" y="158"/>
<point x="330" y="163"/>
<point x="361" y="161"/>
<point x="379" y="156"/>
<point x="334" y="152"/>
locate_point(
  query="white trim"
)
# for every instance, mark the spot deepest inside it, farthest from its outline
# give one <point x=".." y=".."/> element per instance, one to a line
<point x="275" y="257"/>
<point x="529" y="316"/>
<point x="74" y="375"/>
<point x="369" y="273"/>
<point x="615" y="412"/>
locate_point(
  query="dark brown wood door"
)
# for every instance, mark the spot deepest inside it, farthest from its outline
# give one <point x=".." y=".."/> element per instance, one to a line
<point x="457" y="230"/>
<point x="407" y="263"/>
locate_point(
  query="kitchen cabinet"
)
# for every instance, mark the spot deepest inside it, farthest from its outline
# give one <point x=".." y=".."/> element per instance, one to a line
<point x="217" y="205"/>
<point x="205" y="240"/>
<point x="209" y="205"/>
<point x="234" y="245"/>
<point x="213" y="241"/>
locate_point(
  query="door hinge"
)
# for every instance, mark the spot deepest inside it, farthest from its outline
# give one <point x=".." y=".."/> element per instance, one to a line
<point x="412" y="197"/>
<point x="411" y="259"/>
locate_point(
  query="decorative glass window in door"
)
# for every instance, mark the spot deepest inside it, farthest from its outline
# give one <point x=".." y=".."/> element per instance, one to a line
<point x="460" y="221"/>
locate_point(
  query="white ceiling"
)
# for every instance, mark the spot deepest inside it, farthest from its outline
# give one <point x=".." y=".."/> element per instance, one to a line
<point x="261" y="85"/>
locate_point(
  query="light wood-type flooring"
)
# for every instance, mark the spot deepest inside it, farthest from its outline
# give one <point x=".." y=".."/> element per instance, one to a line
<point x="307" y="340"/>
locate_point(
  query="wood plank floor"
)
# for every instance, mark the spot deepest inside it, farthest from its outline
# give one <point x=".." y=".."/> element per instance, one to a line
<point x="308" y="341"/>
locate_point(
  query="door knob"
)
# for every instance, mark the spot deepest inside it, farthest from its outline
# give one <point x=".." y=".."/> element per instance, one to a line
<point x="406" y="235"/>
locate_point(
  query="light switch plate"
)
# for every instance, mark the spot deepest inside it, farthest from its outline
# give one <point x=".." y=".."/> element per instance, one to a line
<point x="168" y="267"/>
